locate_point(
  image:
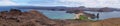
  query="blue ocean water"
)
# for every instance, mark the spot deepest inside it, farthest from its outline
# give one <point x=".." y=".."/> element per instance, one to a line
<point x="4" y="9"/>
<point x="57" y="14"/>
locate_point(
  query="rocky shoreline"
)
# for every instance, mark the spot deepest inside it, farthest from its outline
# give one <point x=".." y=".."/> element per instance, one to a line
<point x="15" y="17"/>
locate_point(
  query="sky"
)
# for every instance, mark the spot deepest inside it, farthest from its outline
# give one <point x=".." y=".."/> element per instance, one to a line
<point x="68" y="3"/>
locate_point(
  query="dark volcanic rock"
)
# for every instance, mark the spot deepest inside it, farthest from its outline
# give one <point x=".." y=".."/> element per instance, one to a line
<point x="15" y="12"/>
<point x="32" y="18"/>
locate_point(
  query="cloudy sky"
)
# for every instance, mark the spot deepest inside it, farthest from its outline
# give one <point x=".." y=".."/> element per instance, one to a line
<point x="69" y="3"/>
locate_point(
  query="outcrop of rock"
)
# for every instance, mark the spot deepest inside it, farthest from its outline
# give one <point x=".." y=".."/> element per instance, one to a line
<point x="15" y="17"/>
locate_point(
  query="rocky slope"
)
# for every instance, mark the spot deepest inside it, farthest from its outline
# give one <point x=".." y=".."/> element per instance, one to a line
<point x="31" y="18"/>
<point x="106" y="22"/>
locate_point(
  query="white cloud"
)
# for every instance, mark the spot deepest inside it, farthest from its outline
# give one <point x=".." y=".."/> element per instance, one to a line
<point x="7" y="3"/>
<point x="72" y="3"/>
<point x="95" y="3"/>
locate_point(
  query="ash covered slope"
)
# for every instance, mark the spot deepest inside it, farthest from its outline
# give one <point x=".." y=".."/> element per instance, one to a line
<point x="106" y="22"/>
<point x="31" y="18"/>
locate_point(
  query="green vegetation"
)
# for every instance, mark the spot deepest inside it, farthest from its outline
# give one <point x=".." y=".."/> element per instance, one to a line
<point x="82" y="17"/>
